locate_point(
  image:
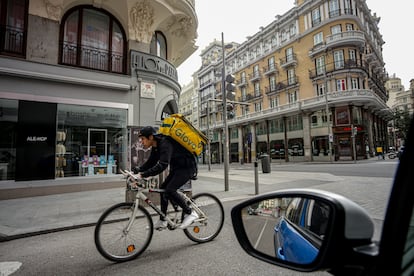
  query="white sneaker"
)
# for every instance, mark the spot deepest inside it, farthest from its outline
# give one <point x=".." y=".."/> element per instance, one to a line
<point x="161" y="224"/>
<point x="188" y="219"/>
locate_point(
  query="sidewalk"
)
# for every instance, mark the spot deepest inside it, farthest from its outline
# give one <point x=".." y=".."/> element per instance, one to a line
<point x="21" y="217"/>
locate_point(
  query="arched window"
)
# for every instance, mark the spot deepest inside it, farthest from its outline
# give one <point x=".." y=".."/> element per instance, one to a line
<point x="159" y="45"/>
<point x="13" y="24"/>
<point x="92" y="38"/>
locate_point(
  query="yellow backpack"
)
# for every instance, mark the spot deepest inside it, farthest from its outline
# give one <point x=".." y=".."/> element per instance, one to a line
<point x="181" y="130"/>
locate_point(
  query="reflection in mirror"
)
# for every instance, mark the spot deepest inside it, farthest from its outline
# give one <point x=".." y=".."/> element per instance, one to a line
<point x="290" y="229"/>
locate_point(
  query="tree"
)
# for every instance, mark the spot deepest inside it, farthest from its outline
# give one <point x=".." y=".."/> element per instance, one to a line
<point x="402" y="121"/>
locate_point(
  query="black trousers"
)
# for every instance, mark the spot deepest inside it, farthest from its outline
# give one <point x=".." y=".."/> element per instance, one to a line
<point x="175" y="179"/>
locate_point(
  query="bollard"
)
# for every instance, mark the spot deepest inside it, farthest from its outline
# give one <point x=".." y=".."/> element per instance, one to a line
<point x="256" y="178"/>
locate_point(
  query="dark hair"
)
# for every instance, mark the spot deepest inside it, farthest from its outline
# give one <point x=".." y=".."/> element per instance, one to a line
<point x="147" y="131"/>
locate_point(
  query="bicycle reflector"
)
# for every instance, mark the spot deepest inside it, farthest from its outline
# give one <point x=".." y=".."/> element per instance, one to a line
<point x="196" y="229"/>
<point x="130" y="248"/>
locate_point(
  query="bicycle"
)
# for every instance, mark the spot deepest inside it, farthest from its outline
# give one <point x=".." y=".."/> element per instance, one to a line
<point x="125" y="230"/>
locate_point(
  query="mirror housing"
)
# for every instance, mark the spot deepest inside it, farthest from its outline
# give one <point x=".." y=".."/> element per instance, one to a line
<point x="347" y="242"/>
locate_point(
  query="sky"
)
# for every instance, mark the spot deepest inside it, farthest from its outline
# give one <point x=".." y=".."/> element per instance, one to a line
<point x="239" y="19"/>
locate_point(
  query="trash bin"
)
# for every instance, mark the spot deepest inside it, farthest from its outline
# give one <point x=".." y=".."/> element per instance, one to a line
<point x="265" y="163"/>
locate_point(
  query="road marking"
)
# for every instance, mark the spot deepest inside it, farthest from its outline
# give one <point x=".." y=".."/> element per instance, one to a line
<point x="7" y="268"/>
<point x="234" y="198"/>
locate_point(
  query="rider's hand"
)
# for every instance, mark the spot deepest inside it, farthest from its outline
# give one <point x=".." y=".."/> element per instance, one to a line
<point x="135" y="170"/>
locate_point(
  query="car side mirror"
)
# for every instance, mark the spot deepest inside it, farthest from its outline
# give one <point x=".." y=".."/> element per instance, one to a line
<point x="303" y="229"/>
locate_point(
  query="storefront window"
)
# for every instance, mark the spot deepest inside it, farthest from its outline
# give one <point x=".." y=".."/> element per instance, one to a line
<point x="320" y="146"/>
<point x="295" y="147"/>
<point x="90" y="140"/>
<point x="8" y="126"/>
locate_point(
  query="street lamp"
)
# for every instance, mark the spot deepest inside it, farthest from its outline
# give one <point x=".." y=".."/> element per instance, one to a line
<point x="328" y="121"/>
<point x="226" y="131"/>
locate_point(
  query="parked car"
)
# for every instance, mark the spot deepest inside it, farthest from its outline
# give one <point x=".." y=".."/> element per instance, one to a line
<point x="304" y="225"/>
<point x="347" y="246"/>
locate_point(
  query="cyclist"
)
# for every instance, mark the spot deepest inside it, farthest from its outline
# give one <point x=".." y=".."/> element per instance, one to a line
<point x="165" y="152"/>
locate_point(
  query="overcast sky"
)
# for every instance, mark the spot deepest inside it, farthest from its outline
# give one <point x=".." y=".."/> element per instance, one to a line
<point x="239" y="19"/>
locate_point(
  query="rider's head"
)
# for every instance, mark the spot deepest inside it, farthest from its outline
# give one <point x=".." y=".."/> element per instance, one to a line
<point x="146" y="136"/>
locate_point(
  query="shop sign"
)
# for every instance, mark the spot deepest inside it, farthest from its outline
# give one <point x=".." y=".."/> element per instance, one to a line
<point x="147" y="90"/>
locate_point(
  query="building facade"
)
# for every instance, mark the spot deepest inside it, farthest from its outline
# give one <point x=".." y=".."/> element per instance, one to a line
<point x="188" y="102"/>
<point x="310" y="78"/>
<point x="78" y="79"/>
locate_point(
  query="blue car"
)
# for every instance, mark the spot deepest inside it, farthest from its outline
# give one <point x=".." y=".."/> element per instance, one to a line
<point x="298" y="235"/>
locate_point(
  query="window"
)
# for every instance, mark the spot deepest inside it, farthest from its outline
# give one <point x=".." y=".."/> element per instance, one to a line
<point x="348" y="6"/>
<point x="274" y="40"/>
<point x="158" y="45"/>
<point x="284" y="36"/>
<point x="92" y="38"/>
<point x="272" y="83"/>
<point x="295" y="123"/>
<point x="292" y="30"/>
<point x="341" y="85"/>
<point x="339" y="59"/>
<point x="274" y="102"/>
<point x="293" y="97"/>
<point x="318" y="38"/>
<point x="243" y="93"/>
<point x="291" y="76"/>
<point x="289" y="54"/>
<point x="256" y="72"/>
<point x="349" y="27"/>
<point x="354" y="83"/>
<point x="258" y="106"/>
<point x="336" y="29"/>
<point x="257" y="89"/>
<point x="320" y="65"/>
<point x="13" y="14"/>
<point x="320" y="89"/>
<point x="316" y="17"/>
<point x="352" y="56"/>
<point x="271" y="63"/>
<point x="334" y="10"/>
<point x="356" y="115"/>
<point x="243" y="77"/>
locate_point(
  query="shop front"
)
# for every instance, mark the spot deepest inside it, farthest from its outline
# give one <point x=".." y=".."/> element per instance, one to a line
<point x="53" y="140"/>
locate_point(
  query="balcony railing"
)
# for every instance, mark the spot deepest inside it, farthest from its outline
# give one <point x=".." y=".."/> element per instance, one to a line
<point x="339" y="39"/>
<point x="94" y="58"/>
<point x="360" y="95"/>
<point x="271" y="69"/>
<point x="12" y="40"/>
<point x="288" y="60"/>
<point x="338" y="66"/>
<point x="255" y="76"/>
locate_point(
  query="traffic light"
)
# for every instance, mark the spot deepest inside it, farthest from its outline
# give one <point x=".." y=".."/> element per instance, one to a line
<point x="354" y="131"/>
<point x="230" y="86"/>
<point x="230" y="111"/>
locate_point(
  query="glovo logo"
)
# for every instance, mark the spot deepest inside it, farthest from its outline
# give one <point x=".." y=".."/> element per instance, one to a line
<point x="186" y="140"/>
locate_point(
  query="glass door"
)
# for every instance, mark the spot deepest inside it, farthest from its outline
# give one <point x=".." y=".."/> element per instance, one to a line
<point x="97" y="143"/>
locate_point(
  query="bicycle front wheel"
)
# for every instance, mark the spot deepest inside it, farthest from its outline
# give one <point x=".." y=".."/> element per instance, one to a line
<point x="119" y="236"/>
<point x="209" y="226"/>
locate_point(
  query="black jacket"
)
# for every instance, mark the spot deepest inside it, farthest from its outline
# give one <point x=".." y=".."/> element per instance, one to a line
<point x="167" y="152"/>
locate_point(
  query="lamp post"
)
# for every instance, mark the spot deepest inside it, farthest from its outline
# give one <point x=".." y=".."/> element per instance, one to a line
<point x="328" y="121"/>
<point x="208" y="135"/>
<point x="226" y="131"/>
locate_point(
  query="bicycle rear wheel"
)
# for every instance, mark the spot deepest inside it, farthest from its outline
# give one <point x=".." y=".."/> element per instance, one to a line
<point x="209" y="227"/>
<point x="114" y="241"/>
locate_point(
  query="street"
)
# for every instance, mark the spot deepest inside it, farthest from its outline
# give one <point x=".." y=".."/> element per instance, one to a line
<point x="73" y="252"/>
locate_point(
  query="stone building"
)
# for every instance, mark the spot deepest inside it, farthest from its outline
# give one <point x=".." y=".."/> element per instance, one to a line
<point x="310" y="77"/>
<point x="78" y="78"/>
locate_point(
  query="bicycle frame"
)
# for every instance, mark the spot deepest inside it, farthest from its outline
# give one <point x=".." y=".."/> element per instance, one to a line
<point x="173" y="224"/>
